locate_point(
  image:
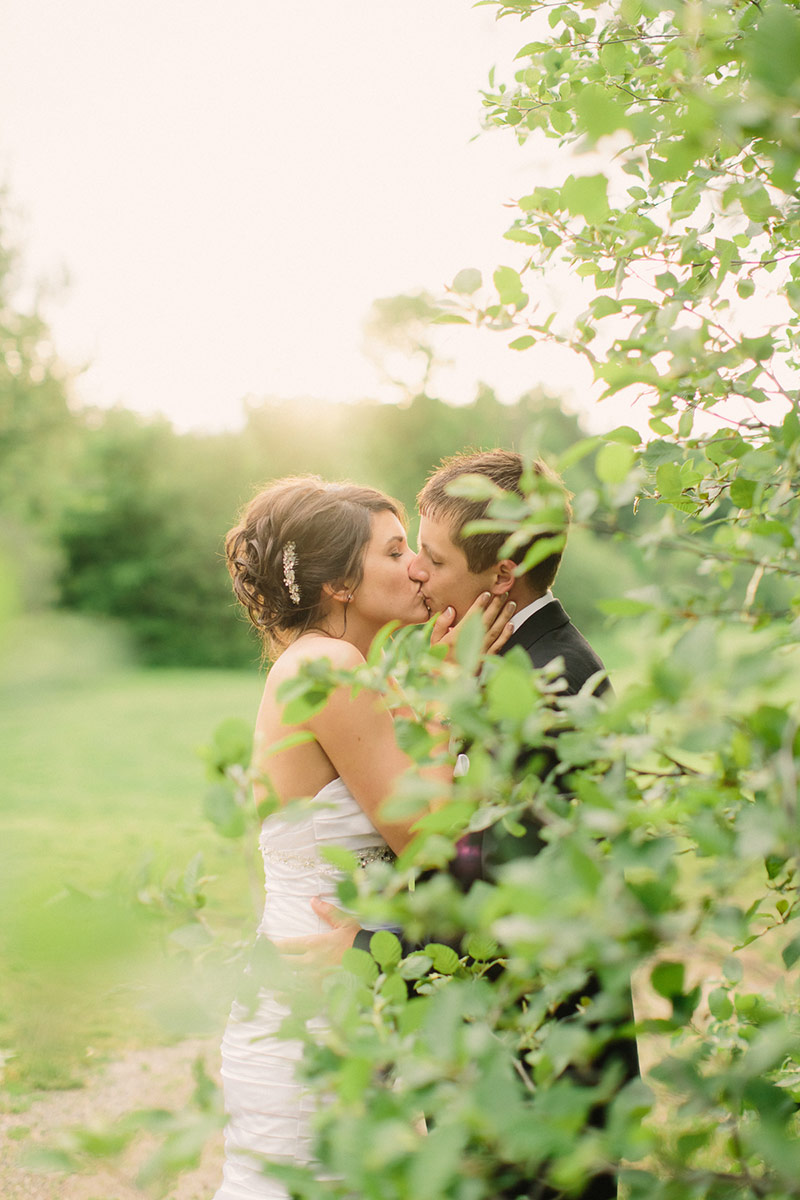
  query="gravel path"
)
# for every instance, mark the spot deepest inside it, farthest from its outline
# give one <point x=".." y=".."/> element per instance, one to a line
<point x="159" y="1077"/>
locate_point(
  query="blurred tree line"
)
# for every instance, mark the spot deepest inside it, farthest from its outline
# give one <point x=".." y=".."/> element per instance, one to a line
<point x="110" y="513"/>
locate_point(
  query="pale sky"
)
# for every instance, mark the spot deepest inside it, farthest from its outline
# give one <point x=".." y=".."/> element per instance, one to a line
<point x="228" y="187"/>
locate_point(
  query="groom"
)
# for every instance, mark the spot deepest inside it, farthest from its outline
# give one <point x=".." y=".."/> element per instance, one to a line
<point x="453" y="570"/>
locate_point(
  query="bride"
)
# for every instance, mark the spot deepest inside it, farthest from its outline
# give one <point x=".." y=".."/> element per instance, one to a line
<point x="320" y="568"/>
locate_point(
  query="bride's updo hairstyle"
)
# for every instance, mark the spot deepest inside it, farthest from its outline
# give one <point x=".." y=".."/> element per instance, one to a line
<point x="293" y="537"/>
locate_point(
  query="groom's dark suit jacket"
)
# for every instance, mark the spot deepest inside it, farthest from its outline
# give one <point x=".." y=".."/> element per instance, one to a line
<point x="549" y="633"/>
<point x="545" y="635"/>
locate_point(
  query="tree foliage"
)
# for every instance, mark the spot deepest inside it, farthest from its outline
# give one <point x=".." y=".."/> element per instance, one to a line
<point x="136" y="513"/>
<point x="37" y="441"/>
<point x="669" y="818"/>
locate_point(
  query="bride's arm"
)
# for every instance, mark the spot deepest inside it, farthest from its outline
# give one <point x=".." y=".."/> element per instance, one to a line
<point x="357" y="734"/>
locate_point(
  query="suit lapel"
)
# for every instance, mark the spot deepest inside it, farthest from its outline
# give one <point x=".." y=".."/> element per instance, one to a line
<point x="542" y="624"/>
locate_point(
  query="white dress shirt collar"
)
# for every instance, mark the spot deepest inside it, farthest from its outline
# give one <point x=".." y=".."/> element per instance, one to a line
<point x="520" y="617"/>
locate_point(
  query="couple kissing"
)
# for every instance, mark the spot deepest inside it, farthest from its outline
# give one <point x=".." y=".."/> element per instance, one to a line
<point x="321" y="568"/>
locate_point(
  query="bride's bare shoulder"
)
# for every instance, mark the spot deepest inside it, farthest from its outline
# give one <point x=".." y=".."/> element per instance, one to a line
<point x="309" y="648"/>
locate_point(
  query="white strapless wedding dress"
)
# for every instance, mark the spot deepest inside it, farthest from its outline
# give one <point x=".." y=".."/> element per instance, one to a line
<point x="267" y="1108"/>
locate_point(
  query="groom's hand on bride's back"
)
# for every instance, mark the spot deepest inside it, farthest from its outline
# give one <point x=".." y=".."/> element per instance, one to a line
<point x="322" y="949"/>
<point x="343" y="925"/>
<point x="495" y="612"/>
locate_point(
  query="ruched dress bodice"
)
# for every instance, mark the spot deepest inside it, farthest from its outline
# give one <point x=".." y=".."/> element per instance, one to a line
<point x="295" y="870"/>
<point x="268" y="1109"/>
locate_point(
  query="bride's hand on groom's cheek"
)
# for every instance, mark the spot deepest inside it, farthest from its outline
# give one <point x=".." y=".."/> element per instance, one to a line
<point x="496" y="613"/>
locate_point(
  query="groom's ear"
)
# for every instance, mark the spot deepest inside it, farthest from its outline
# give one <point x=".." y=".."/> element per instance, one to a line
<point x="504" y="577"/>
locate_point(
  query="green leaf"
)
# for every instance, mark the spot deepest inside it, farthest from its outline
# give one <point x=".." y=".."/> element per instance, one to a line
<point x="755" y="201"/>
<point x="574" y="453"/>
<point x="302" y="708"/>
<point x="719" y="1004"/>
<point x="522" y="343"/>
<point x="619" y="375"/>
<point x="339" y="857"/>
<point x="394" y="990"/>
<point x="614" y="461"/>
<point x="586" y="196"/>
<point x="529" y="49"/>
<point x="790" y="430"/>
<point x="613" y="57"/>
<point x="667" y="979"/>
<point x="669" y="480"/>
<point x="758" y="348"/>
<point x="605" y="306"/>
<point x="385" y="948"/>
<point x="732" y="969"/>
<point x="742" y="492"/>
<point x="436" y="1168"/>
<point x="378" y="645"/>
<point x="354" y="1078"/>
<point x="791" y="953"/>
<point x="773" y="529"/>
<point x="527" y="237"/>
<point x="600" y="112"/>
<point x="361" y="964"/>
<point x="509" y="287"/>
<point x="541" y="549"/>
<point x="719" y="451"/>
<point x="623" y="433"/>
<point x="772" y="49"/>
<point x="510" y="692"/>
<point x="470" y="642"/>
<point x="446" y="318"/>
<point x="561" y="118"/>
<point x="481" y="947"/>
<point x="299" y="737"/>
<point x="415" y="966"/>
<point x="467" y="281"/>
<point x="221" y="809"/>
<point x="444" y="958"/>
<point x="231" y="745"/>
<point x="774" y="864"/>
<point x="678" y="159"/>
<point x="413" y="738"/>
<point x="474" y="487"/>
<point x="658" y="451"/>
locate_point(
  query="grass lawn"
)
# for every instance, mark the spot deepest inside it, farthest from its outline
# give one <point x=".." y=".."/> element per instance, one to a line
<point x="102" y="790"/>
<point x="101" y="945"/>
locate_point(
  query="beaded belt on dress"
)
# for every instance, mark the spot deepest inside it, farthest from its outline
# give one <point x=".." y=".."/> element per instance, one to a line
<point x="309" y="863"/>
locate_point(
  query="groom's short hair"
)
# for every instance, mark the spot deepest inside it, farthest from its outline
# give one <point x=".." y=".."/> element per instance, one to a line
<point x="505" y="468"/>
